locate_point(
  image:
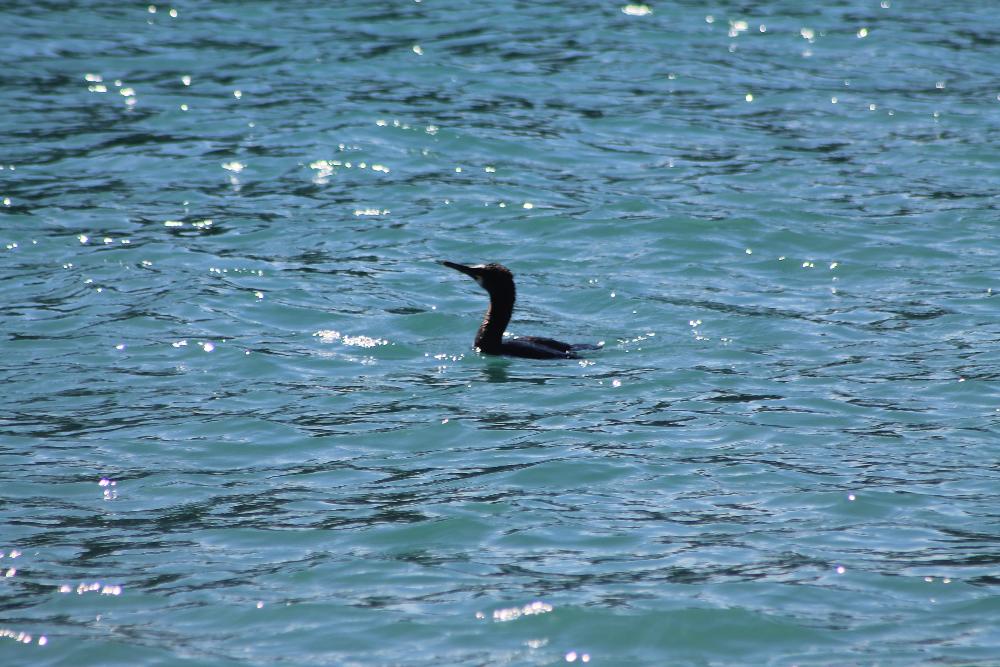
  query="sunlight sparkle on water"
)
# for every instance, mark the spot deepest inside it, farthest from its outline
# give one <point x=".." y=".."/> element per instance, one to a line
<point x="363" y="341"/>
<point x="637" y="10"/>
<point x="328" y="335"/>
<point x="93" y="587"/>
<point x="110" y="492"/>
<point x="513" y="613"/>
<point x="21" y="637"/>
<point x="736" y="27"/>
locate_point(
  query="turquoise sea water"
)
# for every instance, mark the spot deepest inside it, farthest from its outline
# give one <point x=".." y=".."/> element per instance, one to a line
<point x="244" y="425"/>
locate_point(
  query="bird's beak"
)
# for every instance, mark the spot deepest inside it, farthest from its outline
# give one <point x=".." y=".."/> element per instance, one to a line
<point x="470" y="271"/>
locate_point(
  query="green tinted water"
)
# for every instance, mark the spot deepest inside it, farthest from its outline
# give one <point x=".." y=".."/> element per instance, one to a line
<point x="244" y="423"/>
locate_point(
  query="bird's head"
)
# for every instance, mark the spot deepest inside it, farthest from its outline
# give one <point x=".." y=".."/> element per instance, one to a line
<point x="494" y="278"/>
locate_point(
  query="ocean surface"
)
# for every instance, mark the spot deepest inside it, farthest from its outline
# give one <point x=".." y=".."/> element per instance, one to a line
<point x="243" y="421"/>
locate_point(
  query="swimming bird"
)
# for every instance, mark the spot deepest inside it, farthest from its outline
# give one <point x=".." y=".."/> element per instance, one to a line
<point x="498" y="281"/>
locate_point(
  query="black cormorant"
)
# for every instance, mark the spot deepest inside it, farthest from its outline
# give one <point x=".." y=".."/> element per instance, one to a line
<point x="498" y="281"/>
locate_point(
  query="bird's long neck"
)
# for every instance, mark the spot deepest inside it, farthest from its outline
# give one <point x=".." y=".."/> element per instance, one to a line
<point x="490" y="335"/>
